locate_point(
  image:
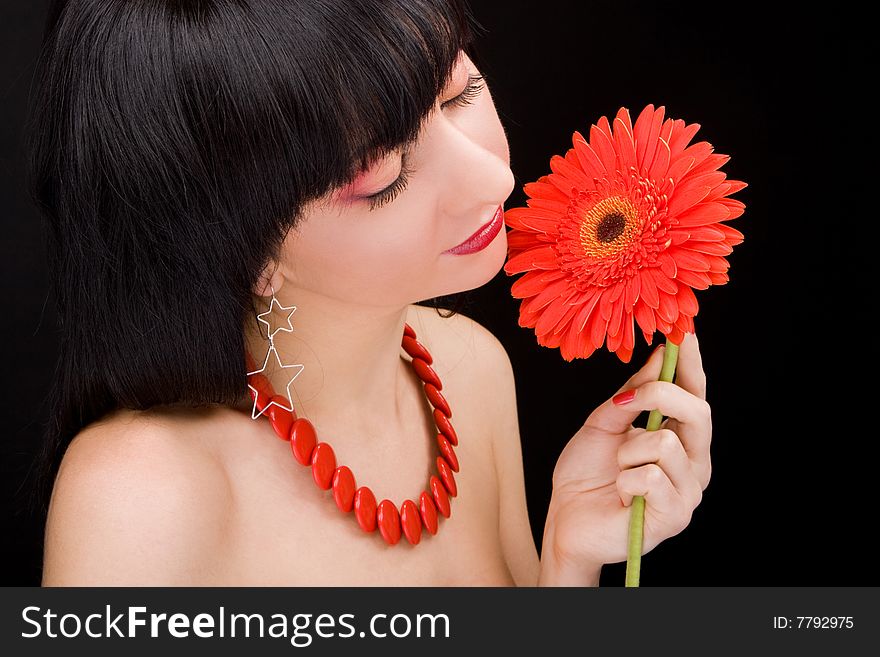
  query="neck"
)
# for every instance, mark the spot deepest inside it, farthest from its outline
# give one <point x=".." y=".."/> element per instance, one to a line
<point x="354" y="373"/>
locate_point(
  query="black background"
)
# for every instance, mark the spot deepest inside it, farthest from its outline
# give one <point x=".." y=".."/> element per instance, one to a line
<point x="785" y="343"/>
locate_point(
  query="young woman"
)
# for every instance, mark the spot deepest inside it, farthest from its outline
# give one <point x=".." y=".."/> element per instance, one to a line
<point x="321" y="165"/>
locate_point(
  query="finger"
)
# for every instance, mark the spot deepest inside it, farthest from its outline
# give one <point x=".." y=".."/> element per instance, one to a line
<point x="697" y="444"/>
<point x="616" y="415"/>
<point x="664" y="448"/>
<point x="689" y="368"/>
<point x="650" y="371"/>
<point x="607" y="416"/>
<point x="660" y="495"/>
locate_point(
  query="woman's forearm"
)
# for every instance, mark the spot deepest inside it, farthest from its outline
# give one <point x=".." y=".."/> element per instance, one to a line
<point x="555" y="571"/>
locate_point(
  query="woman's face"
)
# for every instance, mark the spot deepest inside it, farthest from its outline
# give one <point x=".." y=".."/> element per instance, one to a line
<point x="393" y="255"/>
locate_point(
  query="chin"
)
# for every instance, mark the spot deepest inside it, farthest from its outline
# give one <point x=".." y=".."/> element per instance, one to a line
<point x="476" y="269"/>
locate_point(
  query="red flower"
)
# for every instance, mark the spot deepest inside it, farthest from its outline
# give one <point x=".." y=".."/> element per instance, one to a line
<point x="620" y="232"/>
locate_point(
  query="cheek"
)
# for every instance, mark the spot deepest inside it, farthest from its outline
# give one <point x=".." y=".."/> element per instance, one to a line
<point x="386" y="259"/>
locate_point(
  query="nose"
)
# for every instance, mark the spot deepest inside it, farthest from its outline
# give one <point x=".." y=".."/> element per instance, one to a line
<point x="478" y="165"/>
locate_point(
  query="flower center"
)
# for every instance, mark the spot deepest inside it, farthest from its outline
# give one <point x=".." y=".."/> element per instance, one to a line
<point x="609" y="227"/>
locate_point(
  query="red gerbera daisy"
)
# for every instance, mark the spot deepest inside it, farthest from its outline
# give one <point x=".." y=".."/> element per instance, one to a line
<point x="620" y="232"/>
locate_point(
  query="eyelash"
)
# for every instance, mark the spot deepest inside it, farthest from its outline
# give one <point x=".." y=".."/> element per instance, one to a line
<point x="471" y="91"/>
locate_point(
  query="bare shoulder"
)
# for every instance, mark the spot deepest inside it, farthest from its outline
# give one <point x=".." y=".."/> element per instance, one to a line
<point x="138" y="501"/>
<point x="490" y="378"/>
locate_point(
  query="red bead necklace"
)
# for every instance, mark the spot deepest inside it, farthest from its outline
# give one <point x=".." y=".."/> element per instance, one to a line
<point x="391" y="521"/>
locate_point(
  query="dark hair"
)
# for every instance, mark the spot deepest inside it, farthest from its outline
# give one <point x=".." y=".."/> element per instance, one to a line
<point x="172" y="145"/>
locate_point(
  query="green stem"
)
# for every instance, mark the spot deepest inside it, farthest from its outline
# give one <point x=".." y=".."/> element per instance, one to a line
<point x="637" y="510"/>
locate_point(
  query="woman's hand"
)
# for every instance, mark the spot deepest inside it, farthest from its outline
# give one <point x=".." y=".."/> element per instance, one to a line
<point x="608" y="461"/>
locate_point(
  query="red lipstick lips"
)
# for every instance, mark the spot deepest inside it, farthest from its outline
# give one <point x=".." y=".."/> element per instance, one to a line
<point x="483" y="237"/>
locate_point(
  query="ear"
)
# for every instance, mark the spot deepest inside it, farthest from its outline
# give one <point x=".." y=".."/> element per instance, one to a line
<point x="270" y="279"/>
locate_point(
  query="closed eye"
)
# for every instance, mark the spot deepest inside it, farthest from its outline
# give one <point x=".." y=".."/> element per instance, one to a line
<point x="474" y="86"/>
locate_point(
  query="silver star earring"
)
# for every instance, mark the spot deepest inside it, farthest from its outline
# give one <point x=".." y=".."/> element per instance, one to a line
<point x="270" y="334"/>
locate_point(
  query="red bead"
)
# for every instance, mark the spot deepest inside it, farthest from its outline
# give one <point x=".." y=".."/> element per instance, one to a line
<point x="447" y="451"/>
<point x="411" y="521"/>
<point x="437" y="400"/>
<point x="388" y="520"/>
<point x="441" y="497"/>
<point x="426" y="373"/>
<point x="365" y="508"/>
<point x="446" y="476"/>
<point x="280" y="417"/>
<point x="323" y="465"/>
<point x="408" y="330"/>
<point x="428" y="511"/>
<point x="264" y="390"/>
<point x="416" y="349"/>
<point x="343" y="488"/>
<point x="445" y="426"/>
<point x="303" y="440"/>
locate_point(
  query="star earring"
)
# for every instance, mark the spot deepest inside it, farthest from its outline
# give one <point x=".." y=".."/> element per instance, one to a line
<point x="270" y="334"/>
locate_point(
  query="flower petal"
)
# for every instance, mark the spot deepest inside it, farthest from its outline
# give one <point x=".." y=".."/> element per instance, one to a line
<point x="585" y="346"/>
<point x="549" y="294"/>
<point x="668" y="308"/>
<point x="706" y="234"/>
<point x="696" y="279"/>
<point x="542" y="188"/>
<point x="691" y="260"/>
<point x="703" y="214"/>
<point x="699" y="151"/>
<point x="736" y="185"/>
<point x="682" y="135"/>
<point x="568" y="344"/>
<point x="623" y="117"/>
<point x="605" y="304"/>
<point x="731" y="234"/>
<point x="614" y="322"/>
<point x="629" y="338"/>
<point x="588" y="158"/>
<point x="677" y="168"/>
<point x="687" y="301"/>
<point x="651" y="140"/>
<point x="554" y="315"/>
<point x="596" y="328"/>
<point x="604" y="149"/>
<point x="712" y="162"/>
<point x="633" y="287"/>
<point x="708" y="178"/>
<point x="649" y="290"/>
<point x="626" y="148"/>
<point x="710" y="248"/>
<point x="663" y="282"/>
<point x="684" y="199"/>
<point x="533" y="282"/>
<point x="535" y="219"/>
<point x="717" y="264"/>
<point x="645" y="317"/>
<point x="735" y="207"/>
<point x="543" y="257"/>
<point x="667" y="264"/>
<point x="675" y="335"/>
<point x="573" y="174"/>
<point x="661" y="161"/>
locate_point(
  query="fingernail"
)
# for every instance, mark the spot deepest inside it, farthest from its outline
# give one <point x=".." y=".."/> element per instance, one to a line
<point x="624" y="397"/>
